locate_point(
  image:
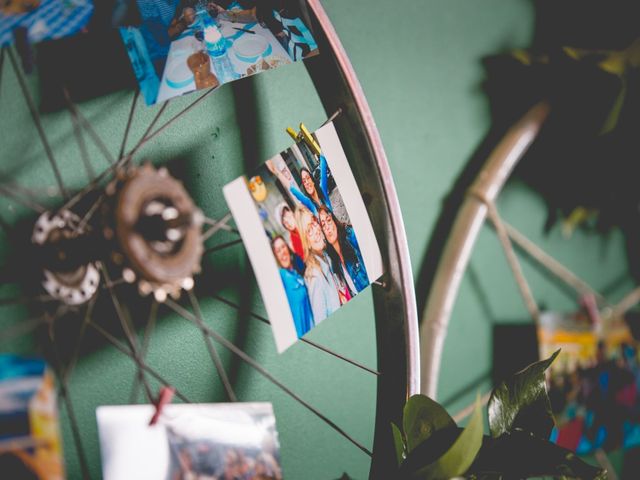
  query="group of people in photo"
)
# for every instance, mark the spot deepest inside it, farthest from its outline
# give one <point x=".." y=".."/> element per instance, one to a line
<point x="597" y="405"/>
<point x="320" y="263"/>
<point x="164" y="20"/>
<point x="205" y="459"/>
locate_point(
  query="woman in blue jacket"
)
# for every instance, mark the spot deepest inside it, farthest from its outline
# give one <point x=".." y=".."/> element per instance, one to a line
<point x="344" y="251"/>
<point x="314" y="196"/>
<point x="294" y="285"/>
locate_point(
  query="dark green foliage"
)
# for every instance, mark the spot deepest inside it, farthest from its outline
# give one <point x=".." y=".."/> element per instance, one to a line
<point x="522" y="402"/>
<point x="520" y="454"/>
<point x="421" y="418"/>
<point x="432" y="447"/>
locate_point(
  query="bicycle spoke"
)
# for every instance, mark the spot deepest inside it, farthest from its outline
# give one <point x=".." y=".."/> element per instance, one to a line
<point x="82" y="120"/>
<point x="512" y="260"/>
<point x="303" y="340"/>
<point x="31" y="193"/>
<point x="551" y="264"/>
<point x="333" y="116"/>
<point x="146" y="133"/>
<point x="113" y="341"/>
<point x="22" y="299"/>
<point x="83" y="328"/>
<point x="23" y="327"/>
<point x="77" y="132"/>
<point x="35" y="115"/>
<point x="127" y="332"/>
<point x="255" y="365"/>
<point x="222" y="246"/>
<point x="113" y="283"/>
<point x="151" y="323"/>
<point x="216" y="226"/>
<point x="29" y="203"/>
<point x="63" y="392"/>
<point x="629" y="301"/>
<point x="92" y="210"/>
<point x="91" y="186"/>
<point x="215" y="357"/>
<point x="125" y="137"/>
<point x="182" y="112"/>
<point x="75" y="429"/>
<point x="468" y="410"/>
<point x="123" y="161"/>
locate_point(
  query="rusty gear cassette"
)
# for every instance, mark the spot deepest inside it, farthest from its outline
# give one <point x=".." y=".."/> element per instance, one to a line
<point x="156" y="230"/>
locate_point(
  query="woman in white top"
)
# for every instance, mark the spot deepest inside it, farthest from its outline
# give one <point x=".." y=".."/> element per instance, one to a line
<point x="318" y="275"/>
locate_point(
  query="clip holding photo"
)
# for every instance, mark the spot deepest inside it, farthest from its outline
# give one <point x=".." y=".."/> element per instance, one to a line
<point x="309" y="140"/>
<point x="293" y="134"/>
<point x="292" y="213"/>
<point x="164" y="397"/>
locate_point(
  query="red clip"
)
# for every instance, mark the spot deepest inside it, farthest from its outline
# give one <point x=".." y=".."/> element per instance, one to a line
<point x="164" y="397"/>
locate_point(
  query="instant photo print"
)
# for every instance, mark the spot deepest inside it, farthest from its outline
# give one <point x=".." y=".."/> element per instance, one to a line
<point x="307" y="234"/>
<point x="185" y="45"/>
<point x="35" y="21"/>
<point x="195" y="441"/>
<point x="593" y="383"/>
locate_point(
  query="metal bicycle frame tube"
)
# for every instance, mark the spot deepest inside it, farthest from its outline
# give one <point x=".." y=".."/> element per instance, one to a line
<point x="395" y="304"/>
<point x="462" y="238"/>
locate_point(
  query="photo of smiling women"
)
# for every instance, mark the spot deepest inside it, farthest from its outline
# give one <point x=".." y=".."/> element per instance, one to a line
<point x="326" y="292"/>
<point x="312" y="196"/>
<point x="310" y="242"/>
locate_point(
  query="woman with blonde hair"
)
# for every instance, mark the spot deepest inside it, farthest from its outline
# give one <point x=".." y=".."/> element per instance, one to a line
<point x="326" y="290"/>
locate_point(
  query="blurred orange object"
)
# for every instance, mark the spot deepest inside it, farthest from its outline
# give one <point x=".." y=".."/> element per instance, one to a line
<point x="12" y="7"/>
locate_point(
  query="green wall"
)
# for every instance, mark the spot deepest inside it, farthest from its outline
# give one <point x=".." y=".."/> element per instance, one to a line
<point x="419" y="64"/>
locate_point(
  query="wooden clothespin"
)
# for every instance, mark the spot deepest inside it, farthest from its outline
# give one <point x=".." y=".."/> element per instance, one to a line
<point x="164" y="397"/>
<point x="293" y="134"/>
<point x="305" y="136"/>
<point x="309" y="140"/>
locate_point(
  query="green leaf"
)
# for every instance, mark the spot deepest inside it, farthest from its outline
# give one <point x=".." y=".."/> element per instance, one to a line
<point x="522" y="402"/>
<point x="421" y="418"/>
<point x="614" y="63"/>
<point x="522" y="56"/>
<point x="614" y="114"/>
<point x="521" y="454"/>
<point x="398" y="442"/>
<point x="457" y="460"/>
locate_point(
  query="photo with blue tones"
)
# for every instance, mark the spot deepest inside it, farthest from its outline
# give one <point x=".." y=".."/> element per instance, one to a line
<point x="594" y="384"/>
<point x="303" y="222"/>
<point x="181" y="46"/>
<point x="34" y="21"/>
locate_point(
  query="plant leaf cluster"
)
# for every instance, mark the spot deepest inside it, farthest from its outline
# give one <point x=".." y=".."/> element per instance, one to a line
<point x="431" y="446"/>
<point x="585" y="62"/>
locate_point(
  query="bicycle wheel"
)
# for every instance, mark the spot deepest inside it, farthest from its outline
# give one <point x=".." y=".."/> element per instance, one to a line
<point x="480" y="204"/>
<point x="104" y="348"/>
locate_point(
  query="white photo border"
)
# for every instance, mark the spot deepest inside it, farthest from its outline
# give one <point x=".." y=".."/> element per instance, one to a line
<point x="249" y="224"/>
